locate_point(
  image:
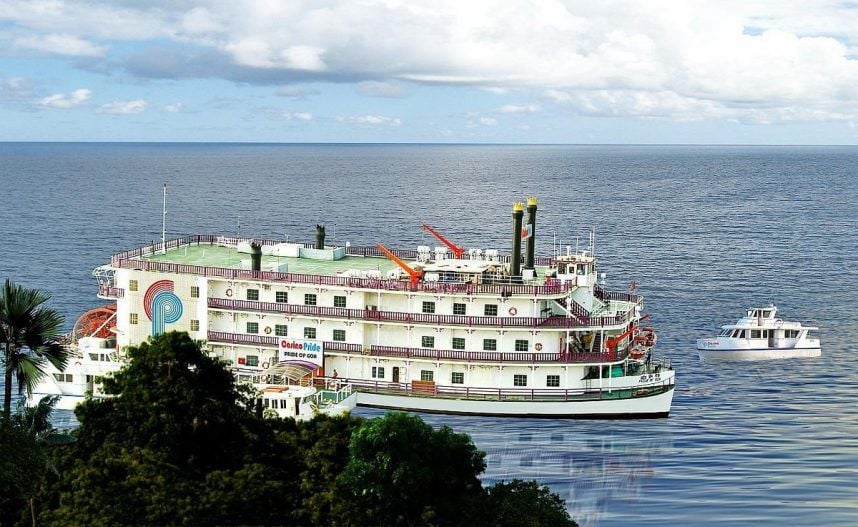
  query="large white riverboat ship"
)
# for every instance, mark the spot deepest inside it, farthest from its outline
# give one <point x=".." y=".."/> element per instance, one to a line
<point x="322" y="328"/>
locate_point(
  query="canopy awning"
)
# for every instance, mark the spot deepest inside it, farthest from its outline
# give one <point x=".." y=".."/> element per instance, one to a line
<point x="292" y="370"/>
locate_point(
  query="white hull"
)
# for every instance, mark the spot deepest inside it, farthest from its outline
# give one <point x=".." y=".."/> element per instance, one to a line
<point x="758" y="354"/>
<point x="641" y="407"/>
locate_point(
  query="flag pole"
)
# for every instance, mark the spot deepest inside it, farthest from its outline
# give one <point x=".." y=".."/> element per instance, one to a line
<point x="164" y="224"/>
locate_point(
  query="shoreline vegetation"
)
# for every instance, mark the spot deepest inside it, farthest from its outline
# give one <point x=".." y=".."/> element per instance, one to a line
<point x="180" y="443"/>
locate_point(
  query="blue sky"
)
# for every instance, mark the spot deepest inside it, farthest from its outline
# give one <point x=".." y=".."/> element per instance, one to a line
<point x="441" y="71"/>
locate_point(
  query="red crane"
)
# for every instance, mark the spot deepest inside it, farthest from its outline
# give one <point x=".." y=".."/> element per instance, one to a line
<point x="415" y="274"/>
<point x="457" y="251"/>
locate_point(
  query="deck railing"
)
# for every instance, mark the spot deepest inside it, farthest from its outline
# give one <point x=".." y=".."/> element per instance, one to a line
<point x="131" y="260"/>
<point x="424" y="353"/>
<point x="419" y="318"/>
<point x="109" y="291"/>
<point x="508" y="394"/>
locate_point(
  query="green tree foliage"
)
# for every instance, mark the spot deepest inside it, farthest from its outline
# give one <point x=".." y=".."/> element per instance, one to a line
<point x="24" y="461"/>
<point x="521" y="504"/>
<point x="28" y="339"/>
<point x="403" y="472"/>
<point x="177" y="443"/>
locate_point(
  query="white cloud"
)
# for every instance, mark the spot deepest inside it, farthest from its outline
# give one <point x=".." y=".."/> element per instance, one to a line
<point x="78" y="97"/>
<point x="520" y="108"/>
<point x="59" y="45"/>
<point x="381" y="89"/>
<point x="731" y="59"/>
<point x="488" y="121"/>
<point x="375" y="120"/>
<point x="297" y="116"/>
<point x="176" y="107"/>
<point x="124" y="107"/>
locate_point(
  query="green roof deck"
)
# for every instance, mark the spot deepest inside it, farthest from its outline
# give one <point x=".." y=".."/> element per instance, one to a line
<point x="228" y="257"/>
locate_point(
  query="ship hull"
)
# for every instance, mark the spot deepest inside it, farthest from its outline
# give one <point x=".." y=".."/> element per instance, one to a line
<point x="757" y="354"/>
<point x="655" y="406"/>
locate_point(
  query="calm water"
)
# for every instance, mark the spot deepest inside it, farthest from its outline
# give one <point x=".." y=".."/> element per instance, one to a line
<point x="704" y="231"/>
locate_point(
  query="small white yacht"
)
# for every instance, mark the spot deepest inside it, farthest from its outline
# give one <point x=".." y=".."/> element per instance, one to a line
<point x="759" y="335"/>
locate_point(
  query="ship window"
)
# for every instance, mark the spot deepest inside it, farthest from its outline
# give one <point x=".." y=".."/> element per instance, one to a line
<point x="309" y="333"/>
<point x="253" y="327"/>
<point x="458" y="309"/>
<point x="552" y="381"/>
<point x="281" y="330"/>
<point x="491" y="310"/>
<point x="133" y="318"/>
<point x="427" y="375"/>
<point x="253" y="294"/>
<point x="755" y="333"/>
<point x="458" y="343"/>
<point x="252" y="360"/>
<point x="281" y="297"/>
<point x="378" y="372"/>
<point x="339" y="335"/>
<point x="195" y="325"/>
<point x="93" y="356"/>
<point x="519" y="380"/>
<point x="428" y="307"/>
<point x="339" y="301"/>
<point x="63" y="377"/>
<point x="521" y="345"/>
<point x="195" y="291"/>
<point x="309" y="299"/>
<point x="725" y="333"/>
<point x="766" y="313"/>
<point x="490" y="344"/>
<point x="457" y="377"/>
<point x="132" y="285"/>
<point x="427" y="342"/>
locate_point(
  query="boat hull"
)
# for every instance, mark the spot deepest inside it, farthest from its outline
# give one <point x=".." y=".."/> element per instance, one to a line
<point x="757" y="354"/>
<point x="649" y="407"/>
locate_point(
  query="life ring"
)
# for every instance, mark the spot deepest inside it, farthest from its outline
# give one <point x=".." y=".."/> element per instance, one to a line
<point x="513" y="311"/>
<point x="264" y="365"/>
<point x="77" y="363"/>
<point x="267" y="330"/>
<point x="229" y="292"/>
<point x="779" y="322"/>
<point x="538" y="346"/>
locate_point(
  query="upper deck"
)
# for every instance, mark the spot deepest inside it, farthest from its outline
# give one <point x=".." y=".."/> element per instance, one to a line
<point x="202" y="255"/>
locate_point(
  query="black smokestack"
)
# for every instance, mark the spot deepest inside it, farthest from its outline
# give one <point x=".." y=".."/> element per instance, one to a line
<point x="320" y="236"/>
<point x="255" y="256"/>
<point x="515" y="261"/>
<point x="531" y="241"/>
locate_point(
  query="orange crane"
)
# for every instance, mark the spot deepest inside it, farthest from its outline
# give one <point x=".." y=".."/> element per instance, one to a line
<point x="457" y="250"/>
<point x="415" y="274"/>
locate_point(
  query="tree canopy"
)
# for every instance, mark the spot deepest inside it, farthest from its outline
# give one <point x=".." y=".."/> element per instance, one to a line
<point x="177" y="442"/>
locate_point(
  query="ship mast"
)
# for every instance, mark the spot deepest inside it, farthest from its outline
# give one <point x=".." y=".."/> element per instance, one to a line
<point x="164" y="224"/>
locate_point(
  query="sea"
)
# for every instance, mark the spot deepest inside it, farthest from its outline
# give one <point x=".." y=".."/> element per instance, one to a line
<point x="704" y="232"/>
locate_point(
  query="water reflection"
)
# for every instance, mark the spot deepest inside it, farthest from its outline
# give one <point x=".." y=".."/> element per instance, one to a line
<point x="596" y="473"/>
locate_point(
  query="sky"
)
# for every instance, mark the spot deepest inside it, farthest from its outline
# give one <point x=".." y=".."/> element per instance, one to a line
<point x="463" y="71"/>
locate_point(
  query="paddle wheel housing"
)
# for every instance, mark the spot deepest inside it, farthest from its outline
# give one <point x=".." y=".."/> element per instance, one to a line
<point x="99" y="322"/>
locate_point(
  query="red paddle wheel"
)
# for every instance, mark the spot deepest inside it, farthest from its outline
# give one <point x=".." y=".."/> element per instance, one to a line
<point x="96" y="322"/>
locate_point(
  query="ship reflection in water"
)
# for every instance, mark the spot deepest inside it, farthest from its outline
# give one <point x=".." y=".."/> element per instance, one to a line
<point x="599" y="468"/>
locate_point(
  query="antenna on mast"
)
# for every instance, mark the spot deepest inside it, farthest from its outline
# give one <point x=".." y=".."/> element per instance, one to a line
<point x="164" y="224"/>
